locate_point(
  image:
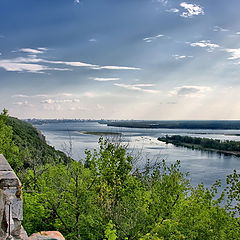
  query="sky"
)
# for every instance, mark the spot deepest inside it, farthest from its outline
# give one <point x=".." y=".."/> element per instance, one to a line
<point x="120" y="59"/>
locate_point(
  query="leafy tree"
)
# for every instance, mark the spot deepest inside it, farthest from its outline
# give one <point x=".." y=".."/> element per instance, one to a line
<point x="67" y="195"/>
<point x="110" y="232"/>
<point x="7" y="146"/>
<point x="233" y="192"/>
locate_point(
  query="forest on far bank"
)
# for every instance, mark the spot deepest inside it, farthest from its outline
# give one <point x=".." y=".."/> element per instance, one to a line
<point x="222" y="146"/>
<point x="173" y="124"/>
<point x="105" y="197"/>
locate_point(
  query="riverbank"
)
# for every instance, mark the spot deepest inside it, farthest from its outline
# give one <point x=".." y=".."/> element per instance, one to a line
<point x="204" y="144"/>
<point x="173" y="124"/>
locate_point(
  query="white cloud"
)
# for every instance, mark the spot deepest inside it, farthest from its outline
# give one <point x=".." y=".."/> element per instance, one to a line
<point x="144" y="85"/>
<point x="76" y="1"/>
<point x="235" y="53"/>
<point x="137" y="87"/>
<point x="43" y="48"/>
<point x="191" y="10"/>
<point x="172" y="10"/>
<point x="73" y="64"/>
<point x="190" y="91"/>
<point x="105" y="79"/>
<point x="32" y="50"/>
<point x="33" y="64"/>
<point x="13" y="66"/>
<point x="53" y="101"/>
<point x="20" y="96"/>
<point x="205" y="44"/>
<point x="179" y="57"/>
<point x="150" y="39"/>
<point x="117" y="68"/>
<point x="92" y="40"/>
<point x="220" y="29"/>
<point x="29" y="96"/>
<point x="66" y="94"/>
<point x="48" y="101"/>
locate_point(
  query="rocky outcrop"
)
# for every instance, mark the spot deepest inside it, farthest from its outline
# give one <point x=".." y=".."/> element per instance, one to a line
<point x="50" y="235"/>
<point x="11" y="204"/>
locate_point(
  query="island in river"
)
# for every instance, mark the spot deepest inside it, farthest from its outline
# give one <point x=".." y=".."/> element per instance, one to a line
<point x="207" y="144"/>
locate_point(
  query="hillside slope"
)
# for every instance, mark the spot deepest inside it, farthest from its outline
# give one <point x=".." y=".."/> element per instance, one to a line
<point x="32" y="142"/>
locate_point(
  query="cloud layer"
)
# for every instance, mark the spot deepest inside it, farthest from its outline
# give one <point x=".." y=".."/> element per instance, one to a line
<point x="34" y="64"/>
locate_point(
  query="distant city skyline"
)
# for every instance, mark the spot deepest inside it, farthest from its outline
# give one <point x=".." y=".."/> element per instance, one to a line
<point x="128" y="59"/>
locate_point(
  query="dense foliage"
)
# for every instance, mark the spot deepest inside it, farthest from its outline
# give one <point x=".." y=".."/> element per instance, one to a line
<point x="203" y="143"/>
<point x="32" y="147"/>
<point x="7" y="146"/>
<point x="104" y="197"/>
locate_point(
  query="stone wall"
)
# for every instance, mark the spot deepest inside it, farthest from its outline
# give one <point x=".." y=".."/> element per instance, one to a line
<point x="11" y="204"/>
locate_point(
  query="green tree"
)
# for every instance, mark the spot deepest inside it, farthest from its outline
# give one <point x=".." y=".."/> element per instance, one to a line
<point x="69" y="201"/>
<point x="233" y="192"/>
<point x="7" y="146"/>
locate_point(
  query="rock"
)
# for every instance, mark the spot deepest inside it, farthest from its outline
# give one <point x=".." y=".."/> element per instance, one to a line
<point x="10" y="202"/>
<point x="49" y="235"/>
<point x="23" y="234"/>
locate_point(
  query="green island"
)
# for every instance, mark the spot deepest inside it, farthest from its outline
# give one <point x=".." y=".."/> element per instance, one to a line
<point x="207" y="144"/>
<point x="101" y="133"/>
<point x="105" y="197"/>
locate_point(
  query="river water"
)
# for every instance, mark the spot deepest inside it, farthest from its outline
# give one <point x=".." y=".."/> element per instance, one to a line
<point x="204" y="167"/>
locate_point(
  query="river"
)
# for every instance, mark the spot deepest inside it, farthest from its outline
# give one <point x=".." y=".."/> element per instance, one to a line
<point x="204" y="167"/>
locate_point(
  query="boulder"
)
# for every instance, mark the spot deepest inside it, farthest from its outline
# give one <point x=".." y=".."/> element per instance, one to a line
<point x="49" y="235"/>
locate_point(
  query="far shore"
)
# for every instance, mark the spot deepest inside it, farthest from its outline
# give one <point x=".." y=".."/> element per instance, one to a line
<point x="198" y="147"/>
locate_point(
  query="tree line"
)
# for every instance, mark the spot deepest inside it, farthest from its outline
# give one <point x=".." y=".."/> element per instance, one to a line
<point x="204" y="143"/>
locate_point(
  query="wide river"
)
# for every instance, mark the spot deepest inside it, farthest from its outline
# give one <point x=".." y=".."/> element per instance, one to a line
<point x="204" y="167"/>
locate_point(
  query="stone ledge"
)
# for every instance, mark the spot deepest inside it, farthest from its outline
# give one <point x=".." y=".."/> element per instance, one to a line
<point x="11" y="204"/>
<point x="4" y="165"/>
<point x="8" y="178"/>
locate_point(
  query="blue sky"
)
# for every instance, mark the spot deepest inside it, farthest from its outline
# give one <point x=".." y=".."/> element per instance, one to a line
<point x="128" y="59"/>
